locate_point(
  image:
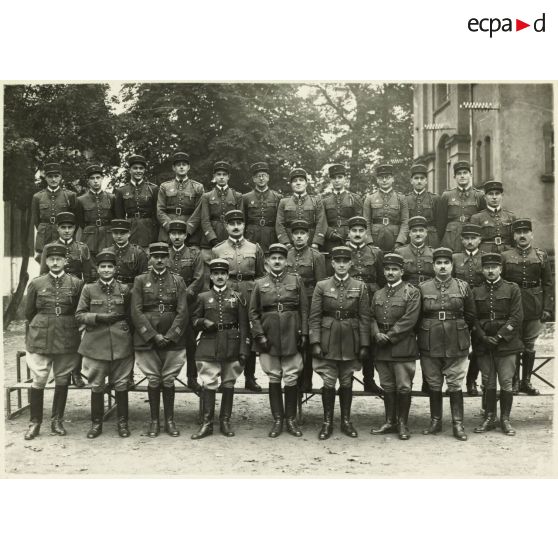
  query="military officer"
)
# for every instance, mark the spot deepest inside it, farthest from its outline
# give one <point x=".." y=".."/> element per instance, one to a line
<point x="339" y="332"/>
<point x="367" y="267"/>
<point x="94" y="212"/>
<point x="301" y="206"/>
<point x="52" y="337"/>
<point x="529" y="267"/>
<point x="417" y="255"/>
<point x="260" y="208"/>
<point x="222" y="316"/>
<point x="496" y="340"/>
<point x="394" y="314"/>
<point x="186" y="261"/>
<point x="178" y="199"/>
<point x="457" y="206"/>
<point x="467" y="267"/>
<point x="339" y="206"/>
<point x="424" y="203"/>
<point x="45" y="205"/>
<point x="159" y="315"/>
<point x="278" y="315"/>
<point x="309" y="264"/>
<point x="106" y="346"/>
<point x="246" y="263"/>
<point x="387" y="212"/>
<point x="448" y="312"/>
<point x="495" y="221"/>
<point x="137" y="202"/>
<point x="131" y="260"/>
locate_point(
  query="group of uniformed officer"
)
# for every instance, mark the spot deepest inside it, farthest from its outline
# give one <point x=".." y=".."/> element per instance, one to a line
<point x="329" y="284"/>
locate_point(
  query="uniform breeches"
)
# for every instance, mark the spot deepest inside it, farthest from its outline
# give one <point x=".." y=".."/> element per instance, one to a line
<point x="286" y="367"/>
<point x="435" y="368"/>
<point x="160" y="366"/>
<point x="396" y="376"/>
<point x="500" y="367"/>
<point x="210" y="370"/>
<point x="332" y="370"/>
<point x="531" y="329"/>
<point x="117" y="372"/>
<point x="62" y="366"/>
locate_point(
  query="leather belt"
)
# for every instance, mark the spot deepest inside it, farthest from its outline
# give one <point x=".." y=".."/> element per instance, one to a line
<point x="98" y="223"/>
<point x="159" y="308"/>
<point x="241" y="277"/>
<point x="175" y="211"/>
<point x="56" y="311"/>
<point x="260" y="222"/>
<point x="51" y="221"/>
<point x="528" y="284"/>
<point x="495" y="240"/>
<point x="420" y="278"/>
<point x="137" y="215"/>
<point x="279" y="307"/>
<point x="222" y="327"/>
<point x="443" y="315"/>
<point x="493" y="316"/>
<point x="384" y="221"/>
<point x="340" y="315"/>
<point x="384" y="327"/>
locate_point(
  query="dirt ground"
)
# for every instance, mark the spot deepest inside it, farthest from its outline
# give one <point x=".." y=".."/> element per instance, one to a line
<point x="251" y="453"/>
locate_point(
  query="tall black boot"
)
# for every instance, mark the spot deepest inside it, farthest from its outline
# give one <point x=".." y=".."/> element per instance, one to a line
<point x="122" y="413"/>
<point x="77" y="379"/>
<point x="436" y="409"/>
<point x="97" y="412"/>
<point x="472" y="375"/>
<point x="191" y="369"/>
<point x="328" y="401"/>
<point x="58" y="408"/>
<point x="250" y="374"/>
<point x="154" y="396"/>
<point x="168" y="406"/>
<point x="489" y="422"/>
<point x="291" y="400"/>
<point x="515" y="382"/>
<point x="277" y="410"/>
<point x="345" y="402"/>
<point x="370" y="385"/>
<point x="208" y="412"/>
<point x="506" y="402"/>
<point x="403" y="404"/>
<point x="36" y="400"/>
<point x="305" y="379"/>
<point x="226" y="412"/>
<point x="390" y="425"/>
<point x="456" y="405"/>
<point x="528" y="363"/>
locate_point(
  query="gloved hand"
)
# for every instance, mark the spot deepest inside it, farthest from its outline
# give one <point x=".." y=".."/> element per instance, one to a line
<point x="303" y="342"/>
<point x="263" y="343"/>
<point x="336" y="237"/>
<point x="213" y="242"/>
<point x="289" y="245"/>
<point x="242" y="360"/>
<point x="317" y="350"/>
<point x="491" y="341"/>
<point x="315" y="246"/>
<point x="382" y="338"/>
<point x="546" y="315"/>
<point x="107" y="318"/>
<point x="209" y="326"/>
<point x="161" y="341"/>
<point x="363" y="354"/>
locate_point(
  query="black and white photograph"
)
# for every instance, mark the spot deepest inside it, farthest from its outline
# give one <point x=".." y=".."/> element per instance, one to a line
<point x="278" y="279"/>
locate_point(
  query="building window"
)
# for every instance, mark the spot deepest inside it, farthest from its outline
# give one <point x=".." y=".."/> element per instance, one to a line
<point x="548" y="141"/>
<point x="487" y="175"/>
<point x="441" y="94"/>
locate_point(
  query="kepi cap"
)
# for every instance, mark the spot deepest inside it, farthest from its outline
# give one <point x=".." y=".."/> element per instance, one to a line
<point x="120" y="225"/>
<point x="52" y="168"/>
<point x="471" y="228"/>
<point x="357" y="221"/>
<point x="180" y="156"/>
<point x="93" y="169"/>
<point x="384" y="169"/>
<point x="105" y="256"/>
<point x="393" y="259"/>
<point x="177" y="225"/>
<point x="137" y="160"/>
<point x="491" y="258"/>
<point x="65" y="217"/>
<point x="259" y="167"/>
<point x="219" y="263"/>
<point x="222" y="166"/>
<point x="461" y="165"/>
<point x="522" y="224"/>
<point x="234" y="214"/>
<point x="442" y="252"/>
<point x="418" y="221"/>
<point x="55" y="250"/>
<point x="298" y="172"/>
<point x="492" y="185"/>
<point x="278" y="248"/>
<point x="300" y="224"/>
<point x="341" y="252"/>
<point x="156" y="248"/>
<point x="419" y="169"/>
<point x="336" y="169"/>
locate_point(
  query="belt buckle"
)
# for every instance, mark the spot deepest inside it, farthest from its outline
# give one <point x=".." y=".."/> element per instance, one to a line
<point x="421" y="278"/>
<point x="161" y="308"/>
<point x="57" y="310"/>
<point x="98" y="222"/>
<point x="497" y="240"/>
<point x="178" y="211"/>
<point x="220" y="327"/>
<point x="492" y="316"/>
<point x="385" y="220"/>
<point x="137" y="215"/>
<point x="262" y="222"/>
<point x="463" y="218"/>
<point x="239" y="276"/>
<point x="337" y="314"/>
<point x="442" y="315"/>
<point x="279" y="307"/>
<point x="52" y="220"/>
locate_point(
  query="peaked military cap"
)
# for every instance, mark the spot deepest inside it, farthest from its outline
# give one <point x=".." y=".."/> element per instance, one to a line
<point x="418" y="221"/>
<point x="180" y="156"/>
<point x="120" y="225"/>
<point x="219" y="263"/>
<point x="93" y="169"/>
<point x="278" y="248"/>
<point x="222" y="166"/>
<point x="300" y="224"/>
<point x="298" y="172"/>
<point x="471" y="228"/>
<point x="357" y="221"/>
<point x="492" y="185"/>
<point x="522" y="224"/>
<point x="491" y="258"/>
<point x="419" y="169"/>
<point x="177" y="225"/>
<point x="55" y="250"/>
<point x="336" y="169"/>
<point x="341" y="252"/>
<point x="65" y="217"/>
<point x="158" y="248"/>
<point x="461" y="165"/>
<point x="53" y="168"/>
<point x="234" y="214"/>
<point x="384" y="169"/>
<point x="105" y="256"/>
<point x="137" y="160"/>
<point x="442" y="252"/>
<point x="259" y="167"/>
<point x="393" y="259"/>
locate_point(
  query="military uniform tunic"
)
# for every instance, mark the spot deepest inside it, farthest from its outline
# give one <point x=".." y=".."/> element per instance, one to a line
<point x="418" y="263"/>
<point x="78" y="260"/>
<point x="467" y="267"/>
<point x="94" y="213"/>
<point x="137" y="202"/>
<point x="307" y="208"/>
<point x="388" y="216"/>
<point x="44" y="207"/>
<point x="496" y="232"/>
<point x="260" y="211"/>
<point x="339" y="208"/>
<point x="178" y="200"/>
<point x="309" y="264"/>
<point x="187" y="262"/>
<point x="131" y="261"/>
<point x="425" y="204"/>
<point x="367" y="266"/>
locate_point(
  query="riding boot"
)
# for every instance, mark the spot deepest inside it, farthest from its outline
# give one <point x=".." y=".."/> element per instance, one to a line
<point x="305" y="378"/>
<point x="122" y="413"/>
<point x="77" y="379"/>
<point x="472" y="375"/>
<point x="370" y="385"/>
<point x="97" y="412"/>
<point x="515" y="382"/>
<point x="291" y="400"/>
<point x="36" y="400"/>
<point x="456" y="405"/>
<point x="390" y="425"/>
<point x="250" y="374"/>
<point x="528" y="363"/>
<point x="277" y="411"/>
<point x="328" y="402"/>
<point x="168" y="406"/>
<point x="436" y="409"/>
<point x="208" y="412"/>
<point x="154" y="396"/>
<point x="58" y="407"/>
<point x="345" y="402"/>
<point x="506" y="402"/>
<point x="192" y="371"/>
<point x="489" y="422"/>
<point x="226" y="412"/>
<point x="403" y="404"/>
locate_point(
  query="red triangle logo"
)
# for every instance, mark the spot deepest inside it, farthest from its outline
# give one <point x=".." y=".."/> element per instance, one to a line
<point x="519" y="25"/>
